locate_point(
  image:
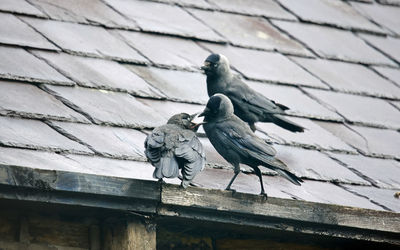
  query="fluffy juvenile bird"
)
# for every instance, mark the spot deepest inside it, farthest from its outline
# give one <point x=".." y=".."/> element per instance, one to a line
<point x="175" y="146"/>
<point x="249" y="105"/>
<point x="234" y="140"/>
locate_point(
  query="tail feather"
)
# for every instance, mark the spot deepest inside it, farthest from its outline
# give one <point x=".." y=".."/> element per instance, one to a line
<point x="287" y="124"/>
<point x="291" y="177"/>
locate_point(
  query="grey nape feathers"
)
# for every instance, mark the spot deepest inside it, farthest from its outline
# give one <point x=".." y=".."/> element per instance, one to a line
<point x="175" y="146"/>
<point x="234" y="140"/>
<point x="250" y="106"/>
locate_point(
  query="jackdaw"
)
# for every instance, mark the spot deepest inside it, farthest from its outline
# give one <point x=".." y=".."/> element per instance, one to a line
<point x="175" y="146"/>
<point x="248" y="104"/>
<point x="234" y="140"/>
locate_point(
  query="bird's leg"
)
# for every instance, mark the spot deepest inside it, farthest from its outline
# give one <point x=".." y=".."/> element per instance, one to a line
<point x="237" y="171"/>
<point x="259" y="174"/>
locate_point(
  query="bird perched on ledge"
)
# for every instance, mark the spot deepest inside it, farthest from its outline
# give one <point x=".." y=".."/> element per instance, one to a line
<point x="249" y="105"/>
<point x="234" y="140"/>
<point x="175" y="146"/>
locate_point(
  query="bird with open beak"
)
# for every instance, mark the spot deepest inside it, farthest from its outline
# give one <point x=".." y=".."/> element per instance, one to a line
<point x="175" y="146"/>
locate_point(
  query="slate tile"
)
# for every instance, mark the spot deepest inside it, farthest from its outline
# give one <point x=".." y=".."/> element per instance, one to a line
<point x="387" y="45"/>
<point x="385" y="16"/>
<point x="369" y="141"/>
<point x="267" y="66"/>
<point x="15" y="32"/>
<point x="349" y="77"/>
<point x="91" y="12"/>
<point x="325" y="192"/>
<point x="20" y="6"/>
<point x="267" y="8"/>
<point x="164" y="18"/>
<point x="23" y="99"/>
<point x="381" y="196"/>
<point x="390" y="2"/>
<point x="107" y="107"/>
<point x="37" y="160"/>
<point x="34" y="69"/>
<point x="299" y="104"/>
<point x="381" y="172"/>
<point x="85" y="39"/>
<point x="107" y="141"/>
<point x="212" y="156"/>
<point x="166" y="109"/>
<point x="396" y="104"/>
<point x="328" y="42"/>
<point x="113" y="167"/>
<point x="35" y="134"/>
<point x="99" y="73"/>
<point x="176" y="85"/>
<point x="333" y="12"/>
<point x="390" y="73"/>
<point x="166" y="50"/>
<point x="247" y="31"/>
<point x="315" y="165"/>
<point x="191" y="3"/>
<point x="360" y="109"/>
<point x="313" y="137"/>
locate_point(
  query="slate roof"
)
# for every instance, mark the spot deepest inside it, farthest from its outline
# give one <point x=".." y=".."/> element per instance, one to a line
<point x="82" y="82"/>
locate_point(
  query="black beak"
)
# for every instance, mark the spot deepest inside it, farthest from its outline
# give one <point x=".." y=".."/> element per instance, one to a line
<point x="206" y="66"/>
<point x="205" y="112"/>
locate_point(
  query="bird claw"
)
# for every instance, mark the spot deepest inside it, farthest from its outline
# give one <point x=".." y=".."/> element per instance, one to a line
<point x="265" y="196"/>
<point x="232" y="190"/>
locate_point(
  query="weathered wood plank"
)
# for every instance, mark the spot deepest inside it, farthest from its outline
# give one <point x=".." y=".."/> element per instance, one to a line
<point x="283" y="209"/>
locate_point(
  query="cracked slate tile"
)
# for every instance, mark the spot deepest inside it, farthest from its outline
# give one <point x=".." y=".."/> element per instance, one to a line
<point x="266" y="8"/>
<point x="85" y="39"/>
<point x="328" y="42"/>
<point x="21" y="99"/>
<point x="381" y="172"/>
<point x="360" y="109"/>
<point x="164" y="18"/>
<point x="313" y="137"/>
<point x="166" y="109"/>
<point x="15" y="32"/>
<point x="113" y="167"/>
<point x="381" y="196"/>
<point x="248" y="31"/>
<point x="315" y="165"/>
<point x="33" y="70"/>
<point x="299" y="104"/>
<point x="91" y="12"/>
<point x="267" y="66"/>
<point x="107" y="107"/>
<point x="386" y="16"/>
<point x="178" y="85"/>
<point x="390" y="73"/>
<point x="99" y="73"/>
<point x="369" y="141"/>
<point x="20" y="7"/>
<point x="389" y="46"/>
<point x="34" y="134"/>
<point x="349" y="77"/>
<point x="167" y="50"/>
<point x="333" y="12"/>
<point x="107" y="141"/>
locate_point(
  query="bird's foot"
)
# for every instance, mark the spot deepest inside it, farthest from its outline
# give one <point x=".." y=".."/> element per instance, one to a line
<point x="161" y="181"/>
<point x="264" y="194"/>
<point x="232" y="190"/>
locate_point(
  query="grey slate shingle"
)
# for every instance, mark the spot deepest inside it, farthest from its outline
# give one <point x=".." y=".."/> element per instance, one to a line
<point x="390" y="73"/>
<point x="22" y="99"/>
<point x="262" y="65"/>
<point x="33" y="134"/>
<point x="328" y="43"/>
<point x="360" y="109"/>
<point x="353" y="78"/>
<point x="20" y="6"/>
<point x="387" y="45"/>
<point x="85" y="39"/>
<point x="18" y="64"/>
<point x="247" y="31"/>
<point x="99" y="73"/>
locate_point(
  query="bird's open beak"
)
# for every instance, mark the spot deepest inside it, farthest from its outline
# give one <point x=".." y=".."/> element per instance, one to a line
<point x="194" y="125"/>
<point x="206" y="66"/>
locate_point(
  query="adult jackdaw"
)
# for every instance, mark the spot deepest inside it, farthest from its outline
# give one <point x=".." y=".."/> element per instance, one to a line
<point x="234" y="140"/>
<point x="175" y="146"/>
<point x="248" y="104"/>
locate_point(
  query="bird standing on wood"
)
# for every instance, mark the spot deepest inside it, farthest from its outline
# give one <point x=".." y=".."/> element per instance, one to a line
<point x="249" y="105"/>
<point x="175" y="146"/>
<point x="236" y="143"/>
